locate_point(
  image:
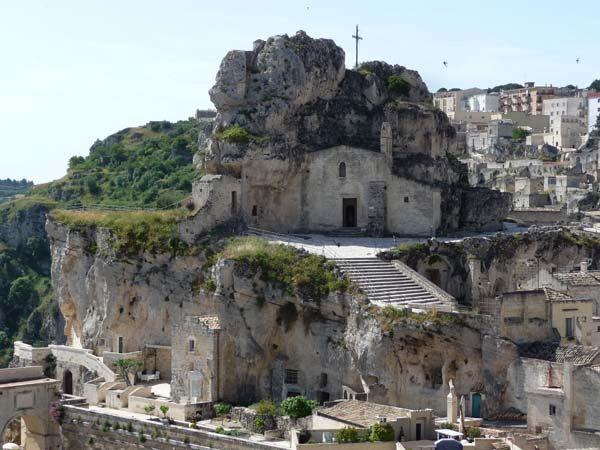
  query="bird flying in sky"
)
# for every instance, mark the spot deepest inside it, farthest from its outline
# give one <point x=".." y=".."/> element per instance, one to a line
<point x="445" y="63"/>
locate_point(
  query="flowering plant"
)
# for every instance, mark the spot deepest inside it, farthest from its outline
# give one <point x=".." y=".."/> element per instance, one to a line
<point x="57" y="411"/>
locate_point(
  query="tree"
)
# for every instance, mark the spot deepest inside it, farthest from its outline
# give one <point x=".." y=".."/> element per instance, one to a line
<point x="164" y="409"/>
<point x="347" y="435"/>
<point x="382" y="432"/>
<point x="506" y="87"/>
<point x="222" y="409"/>
<point x="442" y="89"/>
<point x="474" y="432"/>
<point x="19" y="299"/>
<point x="595" y="85"/>
<point x="128" y="367"/>
<point x="297" y="407"/>
<point x="519" y="134"/>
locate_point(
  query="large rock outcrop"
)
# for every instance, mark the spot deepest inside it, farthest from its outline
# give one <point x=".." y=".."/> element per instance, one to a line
<point x="294" y="95"/>
<point x="290" y="100"/>
<point x="399" y="360"/>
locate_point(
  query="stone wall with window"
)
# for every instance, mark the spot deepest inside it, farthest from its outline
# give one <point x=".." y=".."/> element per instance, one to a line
<point x="195" y="359"/>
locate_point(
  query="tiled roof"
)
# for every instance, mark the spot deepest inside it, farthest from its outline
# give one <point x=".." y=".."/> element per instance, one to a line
<point x="552" y="295"/>
<point x="361" y="414"/>
<point x="549" y="351"/>
<point x="589" y="278"/>
<point x="211" y="322"/>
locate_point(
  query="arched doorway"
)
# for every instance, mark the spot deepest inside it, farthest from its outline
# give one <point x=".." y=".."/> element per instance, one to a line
<point x="27" y="431"/>
<point x="67" y="382"/>
<point x="12" y="432"/>
<point x="349" y="212"/>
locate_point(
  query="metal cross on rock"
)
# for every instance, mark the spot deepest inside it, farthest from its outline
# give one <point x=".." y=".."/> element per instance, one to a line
<point x="357" y="37"/>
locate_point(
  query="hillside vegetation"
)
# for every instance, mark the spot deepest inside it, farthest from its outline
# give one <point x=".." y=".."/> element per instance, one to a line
<point x="147" y="166"/>
<point x="141" y="167"/>
<point x="10" y="188"/>
<point x="28" y="309"/>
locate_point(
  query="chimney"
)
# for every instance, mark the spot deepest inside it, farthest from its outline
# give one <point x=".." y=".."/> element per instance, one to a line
<point x="583" y="266"/>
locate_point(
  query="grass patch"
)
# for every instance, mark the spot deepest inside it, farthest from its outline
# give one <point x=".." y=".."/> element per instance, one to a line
<point x="238" y="135"/>
<point x="265" y="406"/>
<point x="398" y="85"/>
<point x="389" y="316"/>
<point x="12" y="210"/>
<point x="286" y="267"/>
<point x="135" y="231"/>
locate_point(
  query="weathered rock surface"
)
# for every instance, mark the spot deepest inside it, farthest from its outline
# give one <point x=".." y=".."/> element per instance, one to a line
<point x="295" y="94"/>
<point x="265" y="330"/>
<point x="483" y="268"/>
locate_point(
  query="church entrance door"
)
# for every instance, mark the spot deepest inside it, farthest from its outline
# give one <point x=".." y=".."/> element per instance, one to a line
<point x="349" y="212"/>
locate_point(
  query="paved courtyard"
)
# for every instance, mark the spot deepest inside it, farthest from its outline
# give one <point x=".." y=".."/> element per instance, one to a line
<point x="361" y="247"/>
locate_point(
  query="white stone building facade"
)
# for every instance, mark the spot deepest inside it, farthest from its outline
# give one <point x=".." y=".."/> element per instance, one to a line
<point x="593" y="110"/>
<point x="484" y="102"/>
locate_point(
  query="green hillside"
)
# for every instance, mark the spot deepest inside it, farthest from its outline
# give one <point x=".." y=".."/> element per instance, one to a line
<point x="147" y="166"/>
<point x="10" y="188"/>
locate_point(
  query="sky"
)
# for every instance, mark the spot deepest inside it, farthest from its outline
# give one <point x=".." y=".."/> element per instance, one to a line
<point x="75" y="71"/>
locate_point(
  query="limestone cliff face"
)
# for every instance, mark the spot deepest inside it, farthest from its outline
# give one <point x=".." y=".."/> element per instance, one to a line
<point x="337" y="341"/>
<point x="102" y="295"/>
<point x="20" y="226"/>
<point x="296" y="96"/>
<point x="483" y="268"/>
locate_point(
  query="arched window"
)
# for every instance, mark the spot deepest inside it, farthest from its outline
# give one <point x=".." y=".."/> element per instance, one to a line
<point x="342" y="170"/>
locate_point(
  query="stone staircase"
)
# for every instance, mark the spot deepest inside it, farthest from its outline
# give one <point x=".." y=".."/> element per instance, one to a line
<point x="346" y="232"/>
<point x="385" y="284"/>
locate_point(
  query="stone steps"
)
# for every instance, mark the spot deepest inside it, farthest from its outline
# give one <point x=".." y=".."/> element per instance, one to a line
<point x="385" y="284"/>
<point x="346" y="232"/>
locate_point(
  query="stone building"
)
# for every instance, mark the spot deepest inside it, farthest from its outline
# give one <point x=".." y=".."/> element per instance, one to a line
<point x="484" y="102"/>
<point x="538" y="123"/>
<point x="452" y="102"/>
<point x="565" y="131"/>
<point x="333" y="148"/>
<point x="562" y="388"/>
<point x="195" y="360"/>
<point x="593" y="110"/>
<point x="340" y="187"/>
<point x="408" y="424"/>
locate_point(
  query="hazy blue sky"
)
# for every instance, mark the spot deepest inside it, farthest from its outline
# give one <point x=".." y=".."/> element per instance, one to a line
<point x="74" y="71"/>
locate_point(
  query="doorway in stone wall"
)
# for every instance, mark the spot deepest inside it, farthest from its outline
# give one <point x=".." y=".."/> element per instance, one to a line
<point x="67" y="382"/>
<point x="349" y="212"/>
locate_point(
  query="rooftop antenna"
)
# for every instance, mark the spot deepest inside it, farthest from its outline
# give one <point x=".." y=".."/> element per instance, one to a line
<point x="357" y="37"/>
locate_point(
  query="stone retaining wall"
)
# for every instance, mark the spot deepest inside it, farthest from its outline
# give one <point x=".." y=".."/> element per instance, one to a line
<point x="82" y="426"/>
<point x="247" y="418"/>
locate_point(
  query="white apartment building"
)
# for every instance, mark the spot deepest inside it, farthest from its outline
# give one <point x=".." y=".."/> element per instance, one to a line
<point x="568" y="121"/>
<point x="565" y="132"/>
<point x="565" y="106"/>
<point x="484" y="102"/>
<point x="593" y="110"/>
<point x="452" y="102"/>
